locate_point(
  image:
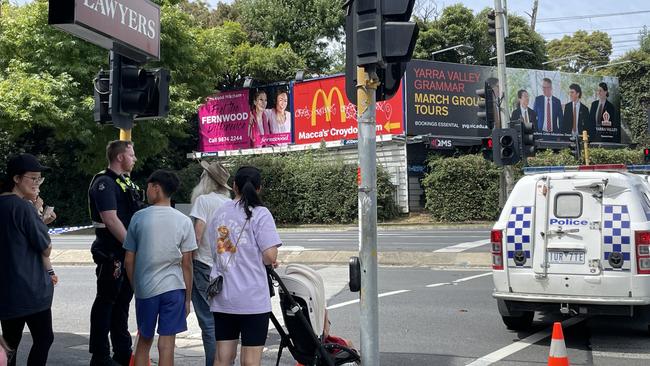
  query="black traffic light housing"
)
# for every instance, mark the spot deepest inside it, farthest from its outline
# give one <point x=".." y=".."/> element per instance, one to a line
<point x="102" y="91"/>
<point x="574" y="145"/>
<point x="506" y="146"/>
<point x="136" y="93"/>
<point x="487" y="105"/>
<point x="492" y="23"/>
<point x="378" y="32"/>
<point x="646" y="155"/>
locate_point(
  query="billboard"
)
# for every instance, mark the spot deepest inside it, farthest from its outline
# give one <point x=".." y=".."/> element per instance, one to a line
<point x="441" y="101"/>
<point x="224" y="122"/>
<point x="322" y="112"/>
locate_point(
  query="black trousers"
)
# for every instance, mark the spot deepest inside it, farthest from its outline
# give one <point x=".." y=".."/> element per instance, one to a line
<point x="110" y="313"/>
<point x="40" y="327"/>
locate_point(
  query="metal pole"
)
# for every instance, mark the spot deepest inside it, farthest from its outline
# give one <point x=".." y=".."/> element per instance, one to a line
<point x="508" y="173"/>
<point x="585" y="141"/>
<point x="125" y="135"/>
<point x="367" y="83"/>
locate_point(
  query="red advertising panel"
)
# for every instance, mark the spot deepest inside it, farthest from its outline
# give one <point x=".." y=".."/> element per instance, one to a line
<point x="322" y="111"/>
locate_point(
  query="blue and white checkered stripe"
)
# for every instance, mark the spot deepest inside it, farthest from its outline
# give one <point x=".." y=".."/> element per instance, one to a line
<point x="519" y="234"/>
<point x="617" y="235"/>
<point x="61" y="230"/>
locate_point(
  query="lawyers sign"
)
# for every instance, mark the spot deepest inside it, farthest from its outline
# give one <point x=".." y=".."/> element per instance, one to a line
<point x="134" y="25"/>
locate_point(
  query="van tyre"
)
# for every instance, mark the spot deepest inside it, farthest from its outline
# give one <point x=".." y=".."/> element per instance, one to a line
<point x="519" y="322"/>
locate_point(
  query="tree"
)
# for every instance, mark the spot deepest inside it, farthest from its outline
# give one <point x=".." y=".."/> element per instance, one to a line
<point x="594" y="49"/>
<point x="458" y="25"/>
<point x="307" y="26"/>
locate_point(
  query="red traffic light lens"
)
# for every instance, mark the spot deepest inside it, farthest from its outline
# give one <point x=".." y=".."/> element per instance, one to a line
<point x="489" y="144"/>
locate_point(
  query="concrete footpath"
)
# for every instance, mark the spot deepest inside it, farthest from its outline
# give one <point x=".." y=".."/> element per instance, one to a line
<point x="416" y="259"/>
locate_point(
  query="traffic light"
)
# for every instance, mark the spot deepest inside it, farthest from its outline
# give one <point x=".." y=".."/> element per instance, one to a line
<point x="527" y="140"/>
<point x="505" y="146"/>
<point x="378" y="32"/>
<point x="102" y="91"/>
<point x="646" y="155"/>
<point x="574" y="145"/>
<point x="486" y="105"/>
<point x="136" y="93"/>
<point x="492" y="23"/>
<point x="486" y="148"/>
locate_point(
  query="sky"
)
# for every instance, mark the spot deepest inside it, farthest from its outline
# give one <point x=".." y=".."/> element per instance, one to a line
<point x="597" y="15"/>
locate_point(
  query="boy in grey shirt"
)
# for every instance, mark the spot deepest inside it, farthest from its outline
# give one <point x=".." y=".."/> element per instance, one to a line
<point x="159" y="245"/>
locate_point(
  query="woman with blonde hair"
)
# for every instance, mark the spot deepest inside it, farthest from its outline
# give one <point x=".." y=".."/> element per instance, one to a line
<point x="208" y="195"/>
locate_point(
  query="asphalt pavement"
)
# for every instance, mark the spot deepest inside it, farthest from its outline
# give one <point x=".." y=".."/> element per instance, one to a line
<point x="427" y="317"/>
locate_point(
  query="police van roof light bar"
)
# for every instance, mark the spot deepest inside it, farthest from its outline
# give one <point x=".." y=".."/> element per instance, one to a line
<point x="588" y="168"/>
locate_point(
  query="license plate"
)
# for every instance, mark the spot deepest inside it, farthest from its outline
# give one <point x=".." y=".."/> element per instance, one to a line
<point x="566" y="257"/>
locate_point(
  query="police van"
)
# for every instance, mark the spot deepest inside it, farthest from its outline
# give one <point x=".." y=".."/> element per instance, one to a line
<point x="574" y="240"/>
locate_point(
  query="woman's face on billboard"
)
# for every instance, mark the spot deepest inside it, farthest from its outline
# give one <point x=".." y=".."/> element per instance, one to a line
<point x="282" y="101"/>
<point x="260" y="101"/>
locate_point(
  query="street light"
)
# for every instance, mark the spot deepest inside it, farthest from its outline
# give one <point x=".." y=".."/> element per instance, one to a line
<point x="466" y="47"/>
<point x="514" y="53"/>
<point x="612" y="64"/>
<point x="562" y="59"/>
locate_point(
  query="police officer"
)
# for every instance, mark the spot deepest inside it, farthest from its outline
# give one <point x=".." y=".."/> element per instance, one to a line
<point x="113" y="199"/>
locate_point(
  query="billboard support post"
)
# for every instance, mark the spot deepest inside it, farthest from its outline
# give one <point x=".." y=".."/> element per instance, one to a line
<point x="367" y="83"/>
<point x="507" y="172"/>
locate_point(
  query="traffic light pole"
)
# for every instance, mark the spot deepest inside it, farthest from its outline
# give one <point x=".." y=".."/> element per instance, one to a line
<point x="125" y="135"/>
<point x="507" y="174"/>
<point x="367" y="83"/>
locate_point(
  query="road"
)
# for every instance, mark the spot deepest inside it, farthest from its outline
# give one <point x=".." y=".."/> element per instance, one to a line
<point x="470" y="240"/>
<point x="427" y="317"/>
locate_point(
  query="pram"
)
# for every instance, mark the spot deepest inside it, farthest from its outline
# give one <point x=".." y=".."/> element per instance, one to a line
<point x="302" y="301"/>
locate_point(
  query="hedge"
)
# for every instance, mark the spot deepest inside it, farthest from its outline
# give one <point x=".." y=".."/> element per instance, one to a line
<point x="466" y="188"/>
<point x="306" y="188"/>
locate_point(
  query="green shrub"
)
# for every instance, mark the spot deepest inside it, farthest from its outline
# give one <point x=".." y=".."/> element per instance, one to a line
<point x="462" y="188"/>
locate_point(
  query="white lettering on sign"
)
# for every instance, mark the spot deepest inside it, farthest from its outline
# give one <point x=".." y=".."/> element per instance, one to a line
<point x="127" y="16"/>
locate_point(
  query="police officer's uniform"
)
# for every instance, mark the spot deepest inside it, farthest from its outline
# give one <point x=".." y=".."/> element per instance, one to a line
<point x="110" y="311"/>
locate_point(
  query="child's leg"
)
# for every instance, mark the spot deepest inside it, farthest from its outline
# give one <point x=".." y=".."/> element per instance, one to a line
<point x="142" y="348"/>
<point x="166" y="346"/>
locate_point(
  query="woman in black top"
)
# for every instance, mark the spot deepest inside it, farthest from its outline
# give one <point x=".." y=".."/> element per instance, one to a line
<point x="26" y="288"/>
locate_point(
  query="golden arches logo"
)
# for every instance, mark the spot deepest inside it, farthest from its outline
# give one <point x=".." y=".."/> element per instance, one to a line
<point x="327" y="98"/>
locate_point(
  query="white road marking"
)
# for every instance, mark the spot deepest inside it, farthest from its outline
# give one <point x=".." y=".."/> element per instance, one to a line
<point x="340" y="305"/>
<point x="508" y="350"/>
<point x="462" y="246"/>
<point x="294" y="248"/>
<point x="630" y="356"/>
<point x="439" y="284"/>
<point x="472" y="277"/>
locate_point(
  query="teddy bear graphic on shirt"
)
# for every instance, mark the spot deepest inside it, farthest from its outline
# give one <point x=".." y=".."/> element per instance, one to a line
<point x="224" y="244"/>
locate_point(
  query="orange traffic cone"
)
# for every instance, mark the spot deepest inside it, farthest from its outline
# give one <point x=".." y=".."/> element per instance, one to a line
<point x="558" y="356"/>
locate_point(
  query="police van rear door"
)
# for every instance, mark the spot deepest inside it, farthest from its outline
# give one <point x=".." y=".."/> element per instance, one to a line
<point x="568" y="220"/>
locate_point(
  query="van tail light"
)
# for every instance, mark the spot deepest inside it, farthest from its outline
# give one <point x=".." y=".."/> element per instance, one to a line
<point x="642" y="242"/>
<point x="496" y="237"/>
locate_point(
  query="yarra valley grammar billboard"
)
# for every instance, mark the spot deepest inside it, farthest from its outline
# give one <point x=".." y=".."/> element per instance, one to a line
<point x="441" y="100"/>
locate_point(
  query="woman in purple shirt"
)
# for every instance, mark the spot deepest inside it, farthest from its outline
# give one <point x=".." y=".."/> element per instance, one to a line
<point x="244" y="239"/>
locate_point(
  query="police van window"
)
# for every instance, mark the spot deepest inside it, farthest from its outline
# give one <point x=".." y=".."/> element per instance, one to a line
<point x="568" y="205"/>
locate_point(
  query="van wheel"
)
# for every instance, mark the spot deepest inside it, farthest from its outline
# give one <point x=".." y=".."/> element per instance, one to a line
<point x="519" y="322"/>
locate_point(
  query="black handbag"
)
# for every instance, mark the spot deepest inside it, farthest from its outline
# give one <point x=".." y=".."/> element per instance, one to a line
<point x="216" y="284"/>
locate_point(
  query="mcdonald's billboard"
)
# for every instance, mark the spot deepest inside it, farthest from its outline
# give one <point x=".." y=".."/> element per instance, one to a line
<point x="322" y="111"/>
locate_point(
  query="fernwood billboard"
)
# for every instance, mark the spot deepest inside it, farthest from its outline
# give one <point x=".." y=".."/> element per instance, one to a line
<point x="441" y="100"/>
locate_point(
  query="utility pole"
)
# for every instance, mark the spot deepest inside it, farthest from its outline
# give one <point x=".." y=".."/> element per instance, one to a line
<point x="367" y="83"/>
<point x="507" y="174"/>
<point x="533" y="16"/>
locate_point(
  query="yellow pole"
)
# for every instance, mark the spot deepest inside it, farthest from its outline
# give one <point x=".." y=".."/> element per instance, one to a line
<point x="125" y="135"/>
<point x="585" y="141"/>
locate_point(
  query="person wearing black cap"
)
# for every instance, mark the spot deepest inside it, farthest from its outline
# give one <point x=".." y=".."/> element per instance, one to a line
<point x="113" y="199"/>
<point x="26" y="288"/>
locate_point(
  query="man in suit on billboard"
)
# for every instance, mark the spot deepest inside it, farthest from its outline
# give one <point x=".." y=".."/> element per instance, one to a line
<point x="604" y="117"/>
<point x="548" y="109"/>
<point x="522" y="110"/>
<point x="576" y="114"/>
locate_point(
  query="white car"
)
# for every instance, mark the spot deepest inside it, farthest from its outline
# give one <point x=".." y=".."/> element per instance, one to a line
<point x="574" y="240"/>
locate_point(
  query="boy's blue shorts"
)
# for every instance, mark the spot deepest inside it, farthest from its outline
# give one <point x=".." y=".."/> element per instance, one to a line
<point x="166" y="309"/>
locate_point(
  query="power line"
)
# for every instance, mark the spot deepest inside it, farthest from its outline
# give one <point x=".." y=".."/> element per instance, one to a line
<point x="575" y="17"/>
<point x="601" y="29"/>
